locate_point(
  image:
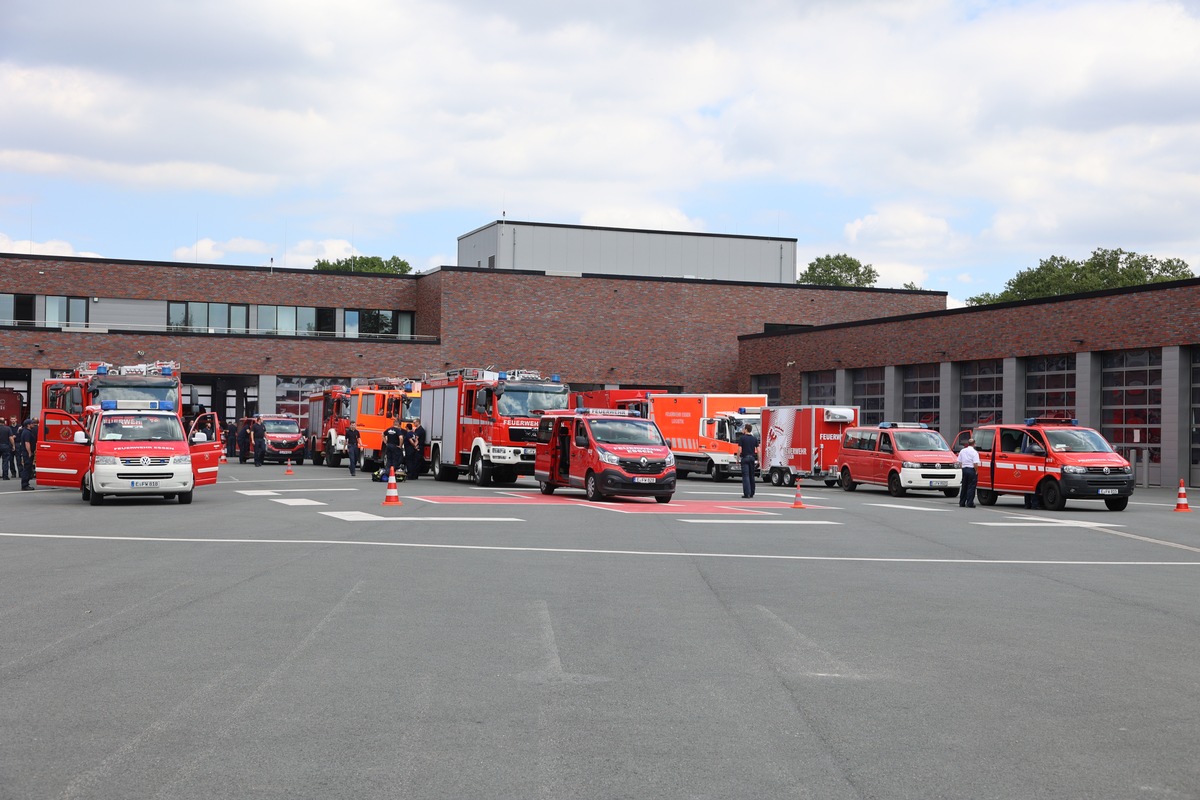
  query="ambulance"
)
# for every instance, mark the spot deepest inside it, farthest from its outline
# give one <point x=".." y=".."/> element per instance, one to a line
<point x="1055" y="459"/>
<point x="903" y="456"/>
<point x="127" y="448"/>
<point x="605" y="452"/>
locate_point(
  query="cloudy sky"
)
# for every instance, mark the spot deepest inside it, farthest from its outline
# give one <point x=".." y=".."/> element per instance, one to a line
<point x="949" y="144"/>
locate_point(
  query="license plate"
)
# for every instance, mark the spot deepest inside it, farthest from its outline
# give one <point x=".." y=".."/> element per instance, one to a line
<point x="644" y="480"/>
<point x="143" y="484"/>
<point x="935" y="484"/>
<point x="1109" y="491"/>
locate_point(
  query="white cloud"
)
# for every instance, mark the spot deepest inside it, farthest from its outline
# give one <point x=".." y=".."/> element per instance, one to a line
<point x="51" y="247"/>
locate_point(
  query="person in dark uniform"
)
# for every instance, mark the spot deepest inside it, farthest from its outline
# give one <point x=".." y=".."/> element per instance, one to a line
<point x="230" y="431"/>
<point x="258" y="440"/>
<point x="414" y="446"/>
<point x="243" y="441"/>
<point x="353" y="437"/>
<point x="27" y="452"/>
<point x="393" y="444"/>
<point x="7" y="445"/>
<point x="748" y="455"/>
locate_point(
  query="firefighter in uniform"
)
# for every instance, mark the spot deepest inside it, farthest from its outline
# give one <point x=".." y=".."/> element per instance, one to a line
<point x="393" y="444"/>
<point x="258" y="439"/>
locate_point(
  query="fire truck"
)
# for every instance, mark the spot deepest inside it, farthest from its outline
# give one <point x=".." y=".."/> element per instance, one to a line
<point x="803" y="442"/>
<point x="702" y="429"/>
<point x="372" y="403"/>
<point x="11" y="406"/>
<point x="634" y="400"/>
<point x="483" y="422"/>
<point x="93" y="382"/>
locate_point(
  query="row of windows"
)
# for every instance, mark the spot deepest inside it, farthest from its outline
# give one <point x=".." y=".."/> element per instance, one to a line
<point x="61" y="312"/>
<point x="287" y="320"/>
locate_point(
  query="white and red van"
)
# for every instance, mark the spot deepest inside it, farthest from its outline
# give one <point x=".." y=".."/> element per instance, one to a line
<point x="605" y="452"/>
<point x="126" y="448"/>
<point x="903" y="456"/>
<point x="1055" y="459"/>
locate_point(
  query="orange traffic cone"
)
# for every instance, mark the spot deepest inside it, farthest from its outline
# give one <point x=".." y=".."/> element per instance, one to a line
<point x="1181" y="503"/>
<point x="288" y="471"/>
<point x="798" y="503"/>
<point x="393" y="496"/>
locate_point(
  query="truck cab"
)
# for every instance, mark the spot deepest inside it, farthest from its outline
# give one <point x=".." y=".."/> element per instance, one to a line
<point x="1052" y="458"/>
<point x="127" y="448"/>
<point x="605" y="452"/>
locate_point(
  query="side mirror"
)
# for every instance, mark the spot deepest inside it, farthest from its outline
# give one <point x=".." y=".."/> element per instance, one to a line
<point x="81" y="437"/>
<point x="199" y="437"/>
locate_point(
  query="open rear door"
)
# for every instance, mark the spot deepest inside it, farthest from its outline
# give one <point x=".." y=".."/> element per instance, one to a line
<point x="206" y="454"/>
<point x="61" y="461"/>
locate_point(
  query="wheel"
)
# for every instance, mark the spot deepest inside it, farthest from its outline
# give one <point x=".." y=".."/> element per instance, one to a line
<point x="440" y="471"/>
<point x="718" y="475"/>
<point x="85" y="490"/>
<point x="847" y="484"/>
<point x="895" y="489"/>
<point x="831" y="484"/>
<point x="986" y="497"/>
<point x="316" y="455"/>
<point x="662" y="498"/>
<point x="591" y="488"/>
<point x="299" y="460"/>
<point x="681" y="473"/>
<point x="789" y="479"/>
<point x="954" y="492"/>
<point x="334" y="460"/>
<point x="546" y="488"/>
<point x="185" y="498"/>
<point x="481" y="474"/>
<point x="776" y="476"/>
<point x="504" y="474"/>
<point x="94" y="497"/>
<point x="1052" y="496"/>
<point x="1116" y="503"/>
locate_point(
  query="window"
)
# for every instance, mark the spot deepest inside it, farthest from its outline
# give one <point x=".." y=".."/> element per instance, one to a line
<point x="298" y="320"/>
<point x="868" y="395"/>
<point x="1131" y="400"/>
<point x="822" y="387"/>
<point x="981" y="392"/>
<point x="65" y="311"/>
<point x="16" y="309"/>
<point x="1050" y="386"/>
<point x="200" y="317"/>
<point x="378" y="322"/>
<point x="768" y="385"/>
<point x="922" y="401"/>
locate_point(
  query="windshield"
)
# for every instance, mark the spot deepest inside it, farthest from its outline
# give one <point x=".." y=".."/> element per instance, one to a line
<point x="625" y="431"/>
<point x="524" y="401"/>
<point x="281" y="426"/>
<point x="141" y="428"/>
<point x="143" y="393"/>
<point x="920" y="440"/>
<point x="1078" y="441"/>
<point x="412" y="409"/>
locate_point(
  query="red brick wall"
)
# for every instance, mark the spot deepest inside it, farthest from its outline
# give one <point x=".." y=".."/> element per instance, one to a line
<point x="1150" y="316"/>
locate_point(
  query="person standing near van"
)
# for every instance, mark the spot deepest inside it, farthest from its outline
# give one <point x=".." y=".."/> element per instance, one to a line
<point x="258" y="440"/>
<point x="748" y="454"/>
<point x="393" y="444"/>
<point x="7" y="443"/>
<point x="27" y="452"/>
<point x="353" y="437"/>
<point x="968" y="459"/>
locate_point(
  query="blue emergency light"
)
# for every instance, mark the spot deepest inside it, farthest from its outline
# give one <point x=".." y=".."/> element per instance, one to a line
<point x="102" y="370"/>
<point x="164" y="405"/>
<point x="1051" y="421"/>
<point x="108" y="405"/>
<point x="555" y="378"/>
<point x="503" y="376"/>
<point x="168" y="371"/>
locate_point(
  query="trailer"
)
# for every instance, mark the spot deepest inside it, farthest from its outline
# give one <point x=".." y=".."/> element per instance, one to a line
<point x="803" y="442"/>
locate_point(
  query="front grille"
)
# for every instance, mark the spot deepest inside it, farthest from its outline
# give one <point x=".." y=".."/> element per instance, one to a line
<point x="522" y="434"/>
<point x="935" y="465"/>
<point x="1100" y="471"/>
<point x="937" y="476"/>
<point x="154" y="461"/>
<point x="634" y="466"/>
<point x="145" y="476"/>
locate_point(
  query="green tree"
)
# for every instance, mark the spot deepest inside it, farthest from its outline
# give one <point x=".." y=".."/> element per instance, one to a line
<point x="839" y="270"/>
<point x="394" y="265"/>
<point x="1104" y="269"/>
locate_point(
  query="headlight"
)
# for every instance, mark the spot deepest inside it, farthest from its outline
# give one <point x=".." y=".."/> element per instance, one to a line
<point x="181" y="459"/>
<point x="1071" y="469"/>
<point x="910" y="465"/>
<point x="107" y="461"/>
<point x="670" y="459"/>
<point x="607" y="457"/>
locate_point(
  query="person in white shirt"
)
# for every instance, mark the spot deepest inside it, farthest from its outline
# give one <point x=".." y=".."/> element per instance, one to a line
<point x="968" y="459"/>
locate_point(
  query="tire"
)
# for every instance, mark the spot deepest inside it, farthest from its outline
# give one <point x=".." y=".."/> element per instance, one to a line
<point x="1052" y="497"/>
<point x="1116" y="503"/>
<point x="185" y="498"/>
<point x="954" y="493"/>
<point x="440" y="471"/>
<point x="776" y="476"/>
<point x="847" y="484"/>
<point x="831" y="484"/>
<point x="789" y="479"/>
<point x="662" y="498"/>
<point x="317" y="456"/>
<point x="546" y="488"/>
<point x="591" y="489"/>
<point x="85" y="491"/>
<point x="299" y="460"/>
<point x="481" y="474"/>
<point x="895" y="488"/>
<point x="681" y="473"/>
<point x="334" y="460"/>
<point x="94" y="497"/>
<point x="719" y="476"/>
<point x="986" y="497"/>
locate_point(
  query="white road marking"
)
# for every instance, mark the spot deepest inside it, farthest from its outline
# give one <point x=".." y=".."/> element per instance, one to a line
<point x="983" y="562"/>
<point x="269" y="492"/>
<point x="364" y="516"/>
<point x="297" y="501"/>
<point x="737" y="521"/>
<point x="906" y="508"/>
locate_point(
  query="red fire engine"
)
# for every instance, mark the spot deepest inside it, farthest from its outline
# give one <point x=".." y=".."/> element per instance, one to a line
<point x="373" y="404"/>
<point x="484" y="423"/>
<point x="157" y="383"/>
